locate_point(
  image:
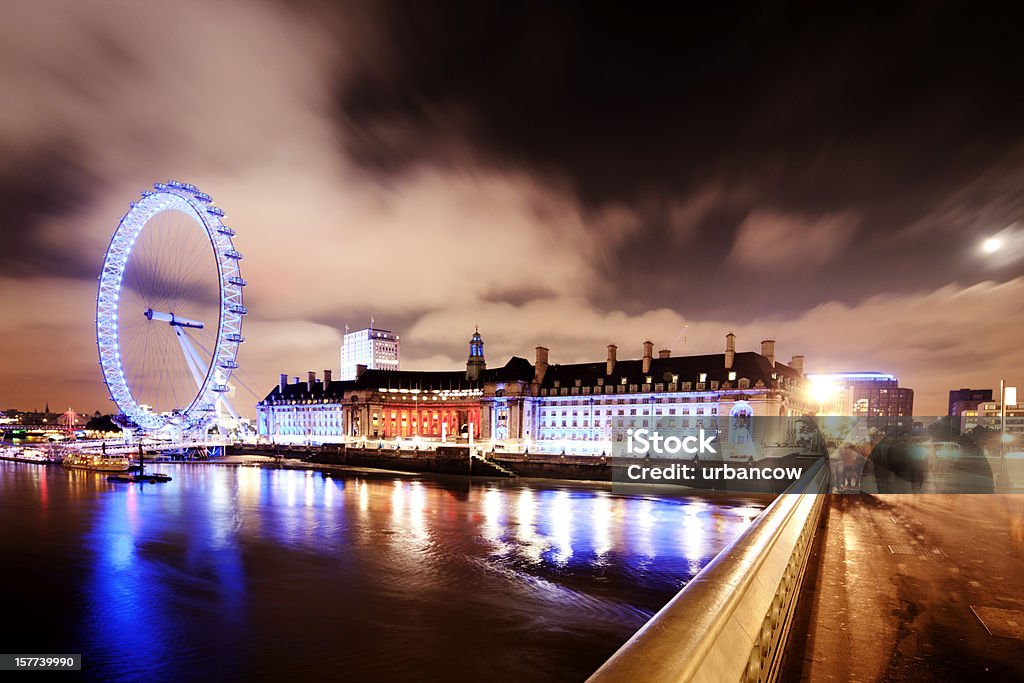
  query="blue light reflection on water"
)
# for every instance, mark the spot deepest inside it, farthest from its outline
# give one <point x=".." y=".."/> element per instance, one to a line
<point x="247" y="573"/>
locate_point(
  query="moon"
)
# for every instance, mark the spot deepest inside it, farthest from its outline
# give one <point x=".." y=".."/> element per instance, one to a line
<point x="992" y="245"/>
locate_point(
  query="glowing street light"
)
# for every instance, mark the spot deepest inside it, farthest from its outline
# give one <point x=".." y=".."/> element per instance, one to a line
<point x="822" y="390"/>
<point x="1005" y="394"/>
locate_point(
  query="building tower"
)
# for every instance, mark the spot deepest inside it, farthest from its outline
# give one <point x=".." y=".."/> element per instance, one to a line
<point x="373" y="347"/>
<point x="475" y="364"/>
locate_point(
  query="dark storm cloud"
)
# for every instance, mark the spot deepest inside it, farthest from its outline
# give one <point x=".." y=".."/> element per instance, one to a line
<point x="877" y="113"/>
<point x="44" y="185"/>
<point x="819" y="107"/>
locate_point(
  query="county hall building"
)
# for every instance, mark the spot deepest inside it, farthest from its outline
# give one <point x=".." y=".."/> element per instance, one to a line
<point x="540" y="407"/>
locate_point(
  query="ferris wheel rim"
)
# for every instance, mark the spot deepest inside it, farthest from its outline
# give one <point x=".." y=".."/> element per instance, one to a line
<point x="198" y="206"/>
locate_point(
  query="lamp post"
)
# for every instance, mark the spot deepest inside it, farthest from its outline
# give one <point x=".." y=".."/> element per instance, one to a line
<point x="1003" y="483"/>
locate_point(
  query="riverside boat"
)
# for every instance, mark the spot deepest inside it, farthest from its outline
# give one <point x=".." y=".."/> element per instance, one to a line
<point x="35" y="456"/>
<point x="139" y="476"/>
<point x="97" y="462"/>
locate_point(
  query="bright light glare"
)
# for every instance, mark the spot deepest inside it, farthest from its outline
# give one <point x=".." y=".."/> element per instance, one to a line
<point x="822" y="389"/>
<point x="992" y="245"/>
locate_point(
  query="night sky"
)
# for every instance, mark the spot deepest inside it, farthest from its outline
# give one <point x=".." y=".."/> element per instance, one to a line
<point x="568" y="176"/>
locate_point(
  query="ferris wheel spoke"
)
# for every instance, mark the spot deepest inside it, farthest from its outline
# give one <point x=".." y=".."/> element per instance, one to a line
<point x="147" y="338"/>
<point x="153" y="391"/>
<point x="171" y="377"/>
<point x="171" y="370"/>
<point x="190" y="291"/>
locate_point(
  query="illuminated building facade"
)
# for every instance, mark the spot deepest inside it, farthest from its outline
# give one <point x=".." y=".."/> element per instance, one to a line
<point x="374" y="348"/>
<point x="589" y="408"/>
<point x="580" y="409"/>
<point x="385" y="404"/>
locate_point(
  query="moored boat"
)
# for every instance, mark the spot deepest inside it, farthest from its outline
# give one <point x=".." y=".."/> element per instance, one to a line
<point x="98" y="462"/>
<point x="33" y="456"/>
<point x="140" y="478"/>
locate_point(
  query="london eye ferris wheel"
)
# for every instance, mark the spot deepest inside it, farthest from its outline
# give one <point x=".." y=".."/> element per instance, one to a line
<point x="169" y="312"/>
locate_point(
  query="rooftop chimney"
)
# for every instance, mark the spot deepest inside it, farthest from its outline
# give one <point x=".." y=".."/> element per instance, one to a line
<point x="360" y="369"/>
<point x="797" y="363"/>
<point x="541" y="366"/>
<point x="296" y="380"/>
<point x="665" y="353"/>
<point x="648" y="355"/>
<point x="312" y="379"/>
<point x="327" y="377"/>
<point x="730" y="350"/>
<point x="768" y="350"/>
<point x="610" y="363"/>
<point x="284" y="382"/>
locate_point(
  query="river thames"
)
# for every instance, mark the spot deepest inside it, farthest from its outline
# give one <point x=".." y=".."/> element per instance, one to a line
<point x="243" y="573"/>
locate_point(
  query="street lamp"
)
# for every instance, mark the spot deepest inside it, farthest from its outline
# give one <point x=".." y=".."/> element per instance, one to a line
<point x="1004" y="473"/>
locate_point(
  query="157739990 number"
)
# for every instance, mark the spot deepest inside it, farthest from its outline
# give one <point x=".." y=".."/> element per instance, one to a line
<point x="26" y="662"/>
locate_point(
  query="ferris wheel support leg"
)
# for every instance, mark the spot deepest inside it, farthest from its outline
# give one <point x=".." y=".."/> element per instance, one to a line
<point x="191" y="357"/>
<point x="223" y="402"/>
<point x="195" y="365"/>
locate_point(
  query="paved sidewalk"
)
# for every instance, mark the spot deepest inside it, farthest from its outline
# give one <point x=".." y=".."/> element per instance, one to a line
<point x="898" y="584"/>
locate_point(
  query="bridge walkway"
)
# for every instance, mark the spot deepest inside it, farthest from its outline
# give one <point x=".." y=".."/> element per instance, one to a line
<point x="913" y="587"/>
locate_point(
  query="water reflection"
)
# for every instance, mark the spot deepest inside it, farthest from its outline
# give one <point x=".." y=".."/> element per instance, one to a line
<point x="252" y="574"/>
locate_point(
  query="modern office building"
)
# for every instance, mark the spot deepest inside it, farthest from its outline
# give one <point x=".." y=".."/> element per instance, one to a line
<point x="989" y="414"/>
<point x="579" y="409"/>
<point x="967" y="399"/>
<point x="867" y="394"/>
<point x="373" y="348"/>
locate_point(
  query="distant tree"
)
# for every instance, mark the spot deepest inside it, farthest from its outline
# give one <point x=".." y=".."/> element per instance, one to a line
<point x="980" y="439"/>
<point x="946" y="428"/>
